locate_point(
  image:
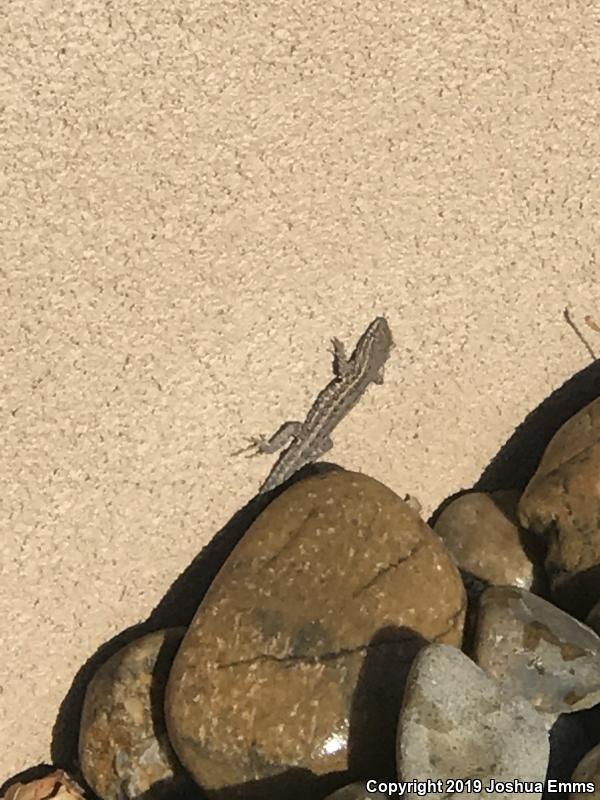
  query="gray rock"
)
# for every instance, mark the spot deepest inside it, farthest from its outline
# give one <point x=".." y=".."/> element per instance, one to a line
<point x="537" y="651"/>
<point x="458" y="723"/>
<point x="123" y="746"/>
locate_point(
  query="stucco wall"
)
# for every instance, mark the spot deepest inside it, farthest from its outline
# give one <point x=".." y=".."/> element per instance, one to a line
<point x="195" y="197"/>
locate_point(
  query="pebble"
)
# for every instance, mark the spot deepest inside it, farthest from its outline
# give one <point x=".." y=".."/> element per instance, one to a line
<point x="458" y="723"/>
<point x="482" y="533"/>
<point x="562" y="503"/>
<point x="57" y="785"/>
<point x="123" y="748"/>
<point x="537" y="651"/>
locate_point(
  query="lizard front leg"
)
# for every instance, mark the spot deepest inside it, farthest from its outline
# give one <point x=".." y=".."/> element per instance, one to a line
<point x="281" y="437"/>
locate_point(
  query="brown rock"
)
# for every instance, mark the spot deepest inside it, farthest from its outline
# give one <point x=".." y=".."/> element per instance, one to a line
<point x="588" y="771"/>
<point x="58" y="785"/>
<point x="305" y="638"/>
<point x="537" y="651"/>
<point x="482" y="533"/>
<point x="562" y="501"/>
<point x="123" y="746"/>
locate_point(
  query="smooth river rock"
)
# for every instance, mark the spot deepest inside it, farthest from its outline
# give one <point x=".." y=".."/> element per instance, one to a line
<point x="482" y="533"/>
<point x="562" y="502"/>
<point x="458" y="723"/>
<point x="537" y="651"/>
<point x="303" y="641"/>
<point x="123" y="748"/>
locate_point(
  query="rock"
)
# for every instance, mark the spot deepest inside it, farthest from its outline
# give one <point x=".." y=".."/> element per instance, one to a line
<point x="304" y="639"/>
<point x="458" y="723"/>
<point x="357" y="791"/>
<point x="482" y="533"/>
<point x="123" y="746"/>
<point x="562" y="502"/>
<point x="588" y="771"/>
<point x="58" y="785"/>
<point x="537" y="651"/>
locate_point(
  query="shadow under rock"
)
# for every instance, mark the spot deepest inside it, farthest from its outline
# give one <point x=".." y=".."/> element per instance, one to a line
<point x="377" y="700"/>
<point x="27" y="776"/>
<point x="176" y="609"/>
<point x="571" y="737"/>
<point x="293" y="784"/>
<point x="517" y="460"/>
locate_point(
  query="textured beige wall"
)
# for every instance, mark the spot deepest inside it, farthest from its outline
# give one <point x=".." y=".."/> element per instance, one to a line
<point x="195" y="197"/>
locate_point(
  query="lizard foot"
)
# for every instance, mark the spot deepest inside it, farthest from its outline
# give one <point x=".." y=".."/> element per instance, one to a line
<point x="255" y="447"/>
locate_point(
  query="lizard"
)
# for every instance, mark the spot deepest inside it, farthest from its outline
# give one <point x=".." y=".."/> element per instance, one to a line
<point x="307" y="441"/>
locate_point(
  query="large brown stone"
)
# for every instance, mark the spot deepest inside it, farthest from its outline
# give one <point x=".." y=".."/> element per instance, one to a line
<point x="562" y="501"/>
<point x="293" y="667"/>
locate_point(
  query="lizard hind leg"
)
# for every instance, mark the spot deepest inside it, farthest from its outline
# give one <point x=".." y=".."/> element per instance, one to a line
<point x="281" y="437"/>
<point x="261" y="445"/>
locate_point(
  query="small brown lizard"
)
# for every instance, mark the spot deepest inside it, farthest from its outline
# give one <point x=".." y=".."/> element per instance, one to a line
<point x="311" y="439"/>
